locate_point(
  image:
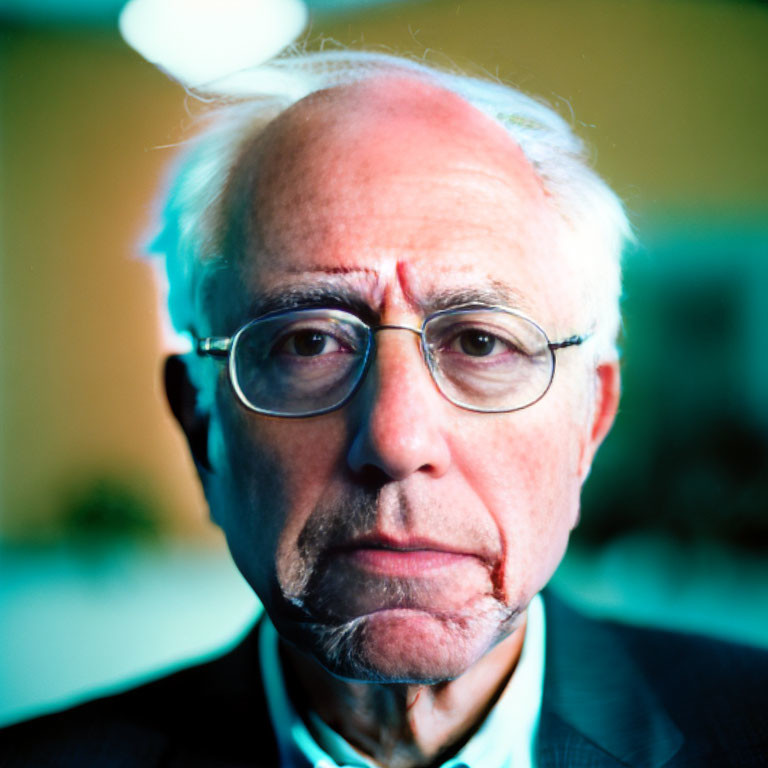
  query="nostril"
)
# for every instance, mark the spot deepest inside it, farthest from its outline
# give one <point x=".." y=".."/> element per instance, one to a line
<point x="371" y="477"/>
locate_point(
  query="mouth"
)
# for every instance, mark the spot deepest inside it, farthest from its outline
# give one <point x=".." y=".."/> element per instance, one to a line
<point x="373" y="572"/>
<point x="404" y="559"/>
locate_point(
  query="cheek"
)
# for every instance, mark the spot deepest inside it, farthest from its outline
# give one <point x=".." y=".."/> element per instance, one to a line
<point x="527" y="477"/>
<point x="268" y="477"/>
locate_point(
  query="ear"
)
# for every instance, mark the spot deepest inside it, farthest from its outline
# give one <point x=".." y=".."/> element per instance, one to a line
<point x="182" y="397"/>
<point x="606" y="395"/>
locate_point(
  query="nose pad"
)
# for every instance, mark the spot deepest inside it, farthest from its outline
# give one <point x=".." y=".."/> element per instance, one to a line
<point x="398" y="414"/>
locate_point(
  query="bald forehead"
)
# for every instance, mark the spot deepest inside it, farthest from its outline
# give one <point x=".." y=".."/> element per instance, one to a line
<point x="331" y="149"/>
<point x="397" y="120"/>
<point x="391" y="170"/>
<point x="390" y="101"/>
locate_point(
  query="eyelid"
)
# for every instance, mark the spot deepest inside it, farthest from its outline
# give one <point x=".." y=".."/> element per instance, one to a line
<point x="357" y="309"/>
<point x="446" y="334"/>
<point x="461" y="326"/>
<point x="344" y="337"/>
<point x="282" y="345"/>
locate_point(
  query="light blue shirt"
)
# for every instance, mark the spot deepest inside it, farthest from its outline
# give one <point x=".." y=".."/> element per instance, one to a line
<point x="506" y="738"/>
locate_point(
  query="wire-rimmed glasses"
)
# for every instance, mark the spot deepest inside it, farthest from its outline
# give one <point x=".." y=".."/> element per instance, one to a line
<point x="306" y="362"/>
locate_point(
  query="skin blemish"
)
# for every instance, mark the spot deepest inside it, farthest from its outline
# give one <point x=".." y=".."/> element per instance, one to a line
<point x="414" y="698"/>
<point x="498" y="578"/>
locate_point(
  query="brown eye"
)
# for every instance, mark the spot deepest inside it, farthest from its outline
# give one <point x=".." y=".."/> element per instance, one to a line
<point x="477" y="343"/>
<point x="308" y="343"/>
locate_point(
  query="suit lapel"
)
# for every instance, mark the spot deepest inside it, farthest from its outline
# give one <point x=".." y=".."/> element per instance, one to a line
<point x="597" y="708"/>
<point x="561" y="745"/>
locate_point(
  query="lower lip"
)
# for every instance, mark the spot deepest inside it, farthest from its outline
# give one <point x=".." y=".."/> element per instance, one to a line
<point x="404" y="563"/>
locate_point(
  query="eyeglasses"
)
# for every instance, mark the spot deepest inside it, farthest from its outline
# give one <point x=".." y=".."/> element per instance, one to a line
<point x="310" y="361"/>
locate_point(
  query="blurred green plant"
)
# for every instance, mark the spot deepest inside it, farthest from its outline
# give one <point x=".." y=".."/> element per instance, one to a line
<point x="107" y="506"/>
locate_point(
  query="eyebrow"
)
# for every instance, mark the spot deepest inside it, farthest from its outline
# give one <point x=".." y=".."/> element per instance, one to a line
<point x="312" y="297"/>
<point x="494" y="294"/>
<point x="317" y="296"/>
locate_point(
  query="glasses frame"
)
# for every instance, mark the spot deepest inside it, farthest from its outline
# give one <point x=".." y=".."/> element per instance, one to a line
<point x="221" y="347"/>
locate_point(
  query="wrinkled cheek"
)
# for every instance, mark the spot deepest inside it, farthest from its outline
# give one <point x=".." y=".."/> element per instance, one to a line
<point x="535" y="553"/>
<point x="270" y="474"/>
<point x="248" y="500"/>
<point x="534" y="498"/>
<point x="303" y="467"/>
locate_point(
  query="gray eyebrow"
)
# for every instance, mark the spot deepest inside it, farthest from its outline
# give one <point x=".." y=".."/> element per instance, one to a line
<point x="494" y="294"/>
<point x="307" y="296"/>
<point x="311" y="296"/>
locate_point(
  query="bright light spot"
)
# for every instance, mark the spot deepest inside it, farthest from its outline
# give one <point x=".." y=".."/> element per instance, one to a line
<point x="199" y="41"/>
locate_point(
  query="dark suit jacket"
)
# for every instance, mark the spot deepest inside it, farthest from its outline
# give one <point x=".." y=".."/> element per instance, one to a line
<point x="613" y="696"/>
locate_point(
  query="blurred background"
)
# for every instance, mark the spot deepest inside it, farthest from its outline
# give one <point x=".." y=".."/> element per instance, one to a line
<point x="109" y="568"/>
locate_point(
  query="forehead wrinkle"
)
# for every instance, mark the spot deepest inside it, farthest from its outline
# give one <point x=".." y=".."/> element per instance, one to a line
<point x="329" y="270"/>
<point x="347" y="132"/>
<point x="369" y="297"/>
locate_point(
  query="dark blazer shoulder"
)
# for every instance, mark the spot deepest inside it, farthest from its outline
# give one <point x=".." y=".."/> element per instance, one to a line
<point x="715" y="690"/>
<point x="212" y="713"/>
<point x="651" y="696"/>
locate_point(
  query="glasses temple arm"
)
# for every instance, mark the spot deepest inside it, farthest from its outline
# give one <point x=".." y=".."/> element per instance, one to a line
<point x="571" y="341"/>
<point x="215" y="346"/>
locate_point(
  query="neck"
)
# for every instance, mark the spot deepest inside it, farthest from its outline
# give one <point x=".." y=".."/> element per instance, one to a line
<point x="404" y="725"/>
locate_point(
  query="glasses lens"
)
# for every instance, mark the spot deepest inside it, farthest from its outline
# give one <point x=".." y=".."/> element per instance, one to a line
<point x="299" y="363"/>
<point x="488" y="359"/>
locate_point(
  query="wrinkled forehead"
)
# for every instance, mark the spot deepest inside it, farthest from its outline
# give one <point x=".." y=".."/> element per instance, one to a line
<point x="387" y="171"/>
<point x="331" y="146"/>
<point x="362" y="124"/>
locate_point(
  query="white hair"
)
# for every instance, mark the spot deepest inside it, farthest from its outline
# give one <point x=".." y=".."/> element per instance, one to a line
<point x="191" y="239"/>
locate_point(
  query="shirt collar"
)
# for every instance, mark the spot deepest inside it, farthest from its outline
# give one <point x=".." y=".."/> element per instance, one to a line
<point x="507" y="737"/>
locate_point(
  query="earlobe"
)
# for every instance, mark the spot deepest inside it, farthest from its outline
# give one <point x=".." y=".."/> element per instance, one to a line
<point x="182" y="397"/>
<point x="606" y="404"/>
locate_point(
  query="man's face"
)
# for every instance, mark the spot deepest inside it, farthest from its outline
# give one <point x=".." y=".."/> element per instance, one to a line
<point x="400" y="537"/>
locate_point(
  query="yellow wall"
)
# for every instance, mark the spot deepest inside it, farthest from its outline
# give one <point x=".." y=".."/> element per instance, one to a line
<point x="81" y="347"/>
<point x="671" y="94"/>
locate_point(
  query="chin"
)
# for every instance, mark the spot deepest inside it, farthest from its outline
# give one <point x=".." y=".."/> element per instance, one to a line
<point x="409" y="646"/>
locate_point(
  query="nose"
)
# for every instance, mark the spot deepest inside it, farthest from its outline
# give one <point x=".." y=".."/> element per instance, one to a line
<point x="398" y="415"/>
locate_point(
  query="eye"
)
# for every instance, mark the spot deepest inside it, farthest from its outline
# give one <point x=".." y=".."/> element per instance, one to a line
<point x="481" y="339"/>
<point x="479" y="343"/>
<point x="309" y="343"/>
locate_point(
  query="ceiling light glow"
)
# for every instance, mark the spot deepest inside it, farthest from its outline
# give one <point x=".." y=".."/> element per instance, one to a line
<point x="200" y="41"/>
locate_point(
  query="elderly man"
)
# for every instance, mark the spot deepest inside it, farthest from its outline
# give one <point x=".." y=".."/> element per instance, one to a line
<point x="402" y="288"/>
